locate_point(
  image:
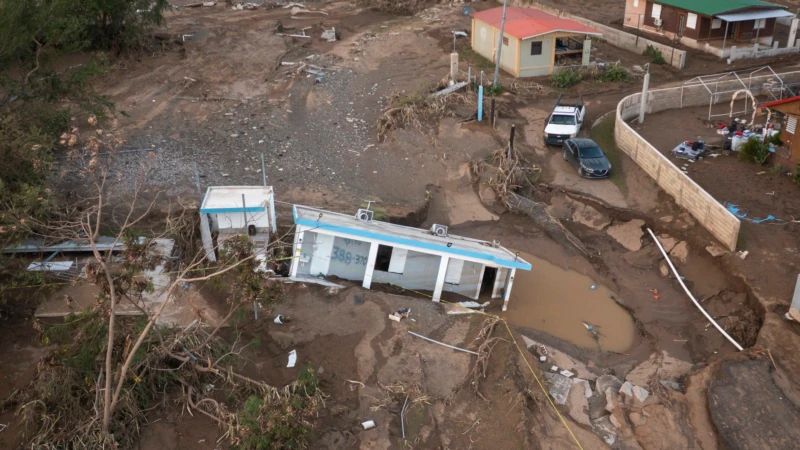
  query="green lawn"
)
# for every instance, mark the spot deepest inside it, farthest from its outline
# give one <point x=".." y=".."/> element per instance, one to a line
<point x="603" y="134"/>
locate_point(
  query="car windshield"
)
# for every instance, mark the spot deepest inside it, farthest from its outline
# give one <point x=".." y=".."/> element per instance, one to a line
<point x="591" y="152"/>
<point x="561" y="119"/>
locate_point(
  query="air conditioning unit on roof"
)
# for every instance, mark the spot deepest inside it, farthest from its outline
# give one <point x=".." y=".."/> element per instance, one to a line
<point x="439" y="230"/>
<point x="364" y="215"/>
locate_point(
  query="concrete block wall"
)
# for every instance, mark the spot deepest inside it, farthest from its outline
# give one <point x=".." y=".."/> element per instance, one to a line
<point x="615" y="37"/>
<point x="711" y="214"/>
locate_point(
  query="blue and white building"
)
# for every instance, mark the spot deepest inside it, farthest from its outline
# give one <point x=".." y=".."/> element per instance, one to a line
<point x="328" y="244"/>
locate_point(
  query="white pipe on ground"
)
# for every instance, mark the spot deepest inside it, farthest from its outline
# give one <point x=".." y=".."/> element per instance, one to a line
<point x="696" y="303"/>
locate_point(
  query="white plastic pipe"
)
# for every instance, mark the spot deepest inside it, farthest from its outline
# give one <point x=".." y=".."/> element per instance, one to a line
<point x="696" y="303"/>
<point x="441" y="343"/>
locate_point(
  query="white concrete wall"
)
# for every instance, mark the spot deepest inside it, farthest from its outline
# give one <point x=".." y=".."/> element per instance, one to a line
<point x="536" y="65"/>
<point x="483" y="42"/>
<point x="349" y="258"/>
<point x="225" y="222"/>
<point x="470" y="281"/>
<point x="419" y="272"/>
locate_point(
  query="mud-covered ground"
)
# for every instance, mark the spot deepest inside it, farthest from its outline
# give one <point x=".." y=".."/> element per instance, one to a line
<point x="223" y="98"/>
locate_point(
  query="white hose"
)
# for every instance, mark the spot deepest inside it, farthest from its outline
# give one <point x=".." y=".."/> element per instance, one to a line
<point x="680" y="280"/>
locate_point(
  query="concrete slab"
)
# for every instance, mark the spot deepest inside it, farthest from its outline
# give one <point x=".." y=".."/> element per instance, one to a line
<point x="680" y="252"/>
<point x="628" y="234"/>
<point x="589" y="216"/>
<point x="558" y="386"/>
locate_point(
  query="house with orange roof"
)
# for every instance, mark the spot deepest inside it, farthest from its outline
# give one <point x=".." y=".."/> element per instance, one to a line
<point x="534" y="42"/>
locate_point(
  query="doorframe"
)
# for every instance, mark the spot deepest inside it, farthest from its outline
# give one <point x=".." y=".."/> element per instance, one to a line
<point x="681" y="23"/>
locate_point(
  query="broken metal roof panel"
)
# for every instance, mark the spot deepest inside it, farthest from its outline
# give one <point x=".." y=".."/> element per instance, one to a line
<point x="416" y="238"/>
<point x="754" y="15"/>
<point x="228" y="199"/>
<point x="103" y="243"/>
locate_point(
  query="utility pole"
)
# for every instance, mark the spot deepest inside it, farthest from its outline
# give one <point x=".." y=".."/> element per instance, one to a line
<point x="643" y="101"/>
<point x="500" y="45"/>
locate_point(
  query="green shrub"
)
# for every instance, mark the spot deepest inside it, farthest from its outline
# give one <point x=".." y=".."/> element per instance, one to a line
<point x="778" y="169"/>
<point x="796" y="175"/>
<point x="775" y="139"/>
<point x="614" y="74"/>
<point x="564" y="79"/>
<point x="493" y="90"/>
<point x="654" y="54"/>
<point x="754" y="150"/>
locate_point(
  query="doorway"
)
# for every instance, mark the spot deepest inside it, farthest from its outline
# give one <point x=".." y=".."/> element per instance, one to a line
<point x="487" y="283"/>
<point x="681" y="24"/>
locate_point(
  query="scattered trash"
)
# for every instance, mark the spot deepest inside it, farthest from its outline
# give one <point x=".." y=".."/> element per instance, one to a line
<point x="689" y="150"/>
<point x="358" y="300"/>
<point x="743" y="254"/>
<point x="400" y="314"/>
<point x="441" y="343"/>
<point x="369" y="424"/>
<point x="297" y="10"/>
<point x="655" y="294"/>
<point x="287" y="63"/>
<point x="292" y="358"/>
<point x="402" y="418"/>
<point x="474" y="304"/>
<point x="449" y="90"/>
<point x="554" y="369"/>
<point x="278" y="319"/>
<point x="394" y="317"/>
<point x="736" y="211"/>
<point x="566" y="373"/>
<point x="459" y="33"/>
<point x="329" y="35"/>
<point x="593" y="287"/>
<point x="592" y="329"/>
<point x="543" y="358"/>
<point x="317" y="73"/>
<point x="292" y="5"/>
<point x="209" y="387"/>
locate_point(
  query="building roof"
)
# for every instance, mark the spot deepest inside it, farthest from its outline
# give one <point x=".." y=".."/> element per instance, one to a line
<point x="317" y="219"/>
<point x="780" y="102"/>
<point x="524" y="23"/>
<point x="228" y="199"/>
<point x="714" y="7"/>
<point x="753" y="15"/>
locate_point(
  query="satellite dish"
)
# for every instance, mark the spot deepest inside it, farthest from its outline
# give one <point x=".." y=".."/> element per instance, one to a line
<point x="467" y="10"/>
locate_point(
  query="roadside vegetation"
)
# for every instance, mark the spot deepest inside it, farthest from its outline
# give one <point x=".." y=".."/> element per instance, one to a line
<point x="39" y="97"/>
<point x="654" y="54"/>
<point x="565" y="79"/>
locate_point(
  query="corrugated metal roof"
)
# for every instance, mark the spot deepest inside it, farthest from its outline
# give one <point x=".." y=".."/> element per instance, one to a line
<point x="524" y="23"/>
<point x="714" y="7"/>
<point x="781" y="102"/>
<point x="421" y="240"/>
<point x="753" y="15"/>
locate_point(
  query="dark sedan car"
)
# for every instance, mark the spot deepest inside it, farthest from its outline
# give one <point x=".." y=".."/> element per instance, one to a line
<point x="587" y="156"/>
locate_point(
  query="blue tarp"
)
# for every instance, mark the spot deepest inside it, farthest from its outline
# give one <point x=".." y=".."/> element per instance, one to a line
<point x="736" y="211"/>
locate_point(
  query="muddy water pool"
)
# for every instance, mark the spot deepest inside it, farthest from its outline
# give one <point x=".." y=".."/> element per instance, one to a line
<point x="561" y="303"/>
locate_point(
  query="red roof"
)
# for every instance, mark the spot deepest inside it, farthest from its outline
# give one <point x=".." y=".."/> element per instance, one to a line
<point x="766" y="105"/>
<point x="523" y="23"/>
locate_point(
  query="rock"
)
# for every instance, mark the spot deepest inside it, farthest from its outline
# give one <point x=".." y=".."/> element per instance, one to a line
<point x="611" y="400"/>
<point x="666" y="219"/>
<point x="578" y="404"/>
<point x="629" y="234"/>
<point x="578" y="383"/>
<point x="603" y="427"/>
<point x="640" y="394"/>
<point x="607" y="382"/>
<point x="558" y="387"/>
<point x="715" y="250"/>
<point x="597" y="407"/>
<point x="672" y="368"/>
<point x="637" y="419"/>
<point x="589" y="216"/>
<point x="680" y="252"/>
<point x="663" y="269"/>
<point x="669" y="384"/>
<point x="667" y="241"/>
<point x="566" y="373"/>
<point x="662" y="429"/>
<point x="528" y="342"/>
<point x="626" y="389"/>
<point x="645" y="371"/>
<point x="637" y="68"/>
<point x="615" y="421"/>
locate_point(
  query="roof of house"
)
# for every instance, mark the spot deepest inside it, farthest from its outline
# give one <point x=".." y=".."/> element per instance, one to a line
<point x="416" y="238"/>
<point x="524" y="23"/>
<point x="780" y="102"/>
<point x="228" y="199"/>
<point x="714" y="7"/>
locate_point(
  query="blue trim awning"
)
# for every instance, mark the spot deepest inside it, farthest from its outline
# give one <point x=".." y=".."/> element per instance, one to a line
<point x="316" y="225"/>
<point x="250" y="209"/>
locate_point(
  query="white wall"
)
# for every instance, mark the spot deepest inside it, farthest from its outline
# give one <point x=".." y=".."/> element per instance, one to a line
<point x="348" y="258"/>
<point x="419" y="273"/>
<point x="235" y="221"/>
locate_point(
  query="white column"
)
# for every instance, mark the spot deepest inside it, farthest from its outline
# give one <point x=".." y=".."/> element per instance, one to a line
<point x="437" y="290"/>
<point x="587" y="52"/>
<point x="480" y="282"/>
<point x="643" y="101"/>
<point x="298" y="250"/>
<point x="507" y="293"/>
<point x="792" y="33"/>
<point x="373" y="255"/>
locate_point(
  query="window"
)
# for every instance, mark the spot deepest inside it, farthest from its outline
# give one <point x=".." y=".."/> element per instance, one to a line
<point x="536" y="48"/>
<point x="635" y="3"/>
<point x="505" y="40"/>
<point x="656" y="13"/>
<point x="716" y="23"/>
<point x="562" y="119"/>
<point x="383" y="259"/>
<point x="398" y="260"/>
<point x="791" y="125"/>
<point x="453" y="273"/>
<point x="760" y="24"/>
<point x="691" y="21"/>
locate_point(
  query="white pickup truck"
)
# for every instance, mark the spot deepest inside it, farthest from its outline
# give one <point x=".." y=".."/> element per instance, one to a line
<point x="565" y="121"/>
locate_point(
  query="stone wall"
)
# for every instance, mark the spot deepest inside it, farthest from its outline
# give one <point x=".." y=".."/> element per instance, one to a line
<point x="618" y="38"/>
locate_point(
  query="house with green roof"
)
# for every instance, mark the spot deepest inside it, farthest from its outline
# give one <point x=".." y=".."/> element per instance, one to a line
<point x="710" y="24"/>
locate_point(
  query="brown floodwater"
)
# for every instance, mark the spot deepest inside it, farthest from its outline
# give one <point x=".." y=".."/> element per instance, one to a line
<point x="560" y="302"/>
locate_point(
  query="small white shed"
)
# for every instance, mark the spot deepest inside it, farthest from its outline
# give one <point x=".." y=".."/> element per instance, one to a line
<point x="236" y="210"/>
